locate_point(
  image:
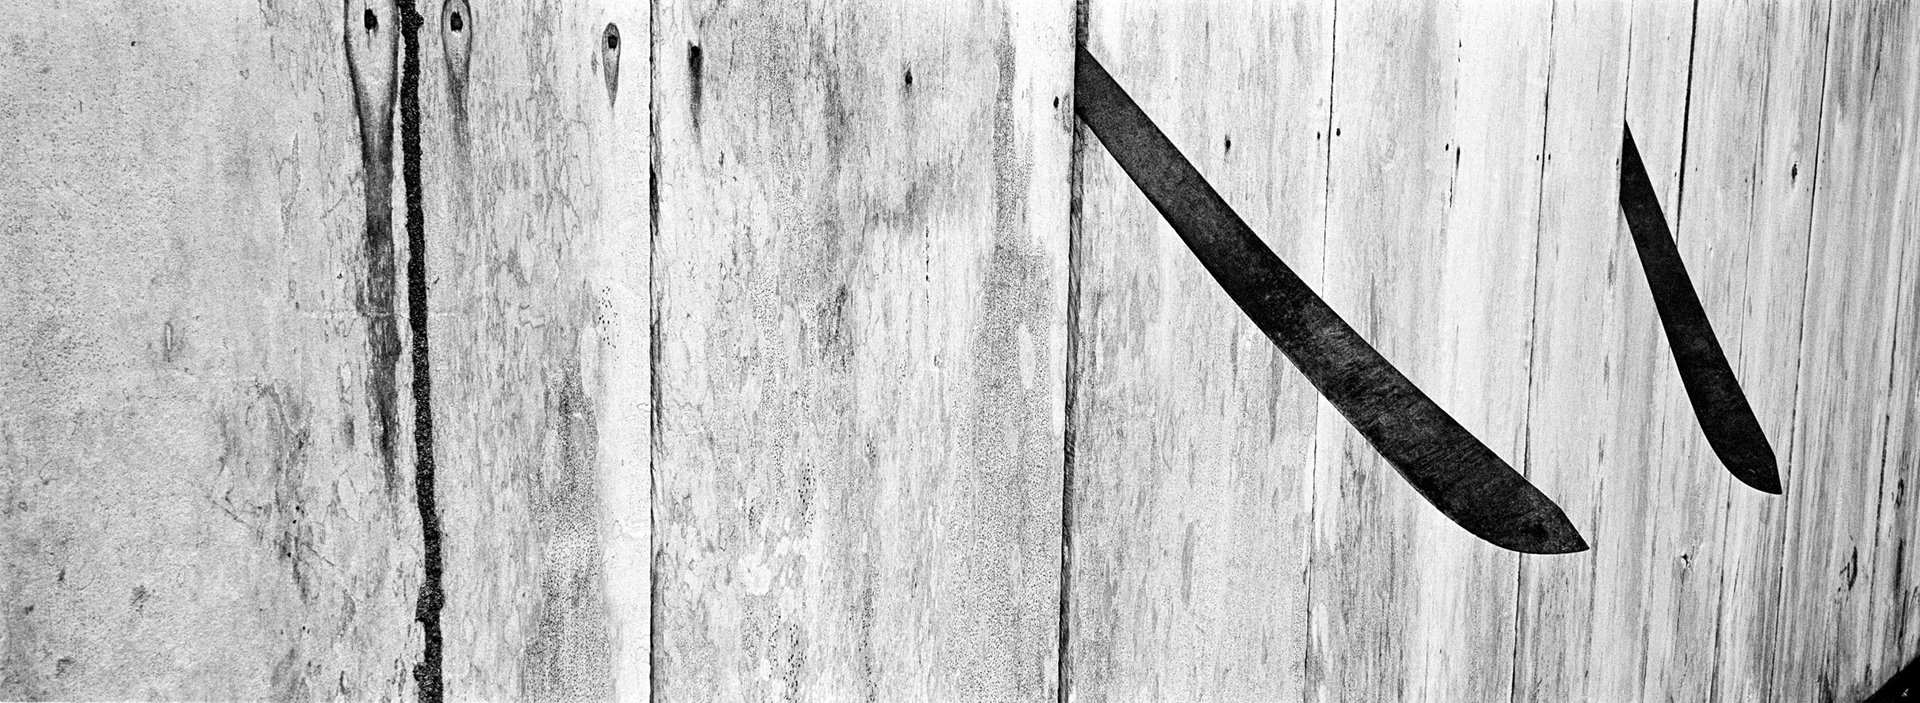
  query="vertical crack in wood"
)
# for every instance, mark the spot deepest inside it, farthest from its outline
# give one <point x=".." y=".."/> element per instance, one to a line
<point x="1686" y="119"/>
<point x="1313" y="447"/>
<point x="655" y="642"/>
<point x="1533" y="335"/>
<point x="1070" y="432"/>
<point x="1806" y="300"/>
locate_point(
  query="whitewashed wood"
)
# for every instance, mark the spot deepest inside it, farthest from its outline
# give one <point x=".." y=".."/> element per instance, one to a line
<point x="1193" y="436"/>
<point x="538" y="259"/>
<point x="193" y="504"/>
<point x="1583" y="393"/>
<point x="1432" y="187"/>
<point x="1692" y="96"/>
<point x="865" y="326"/>
<point x="1855" y="350"/>
<point x="1593" y="334"/>
<point x="860" y="276"/>
<point x="1756" y="122"/>
<point x="1892" y="638"/>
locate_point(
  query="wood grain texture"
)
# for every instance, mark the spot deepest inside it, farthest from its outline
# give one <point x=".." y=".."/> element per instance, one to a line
<point x="1752" y="164"/>
<point x="1593" y="333"/>
<point x="1861" y="267"/>
<point x="1683" y="70"/>
<point x="538" y="248"/>
<point x="1192" y="450"/>
<point x="1434" y="149"/>
<point x="776" y="366"/>
<point x="860" y="278"/>
<point x="194" y="504"/>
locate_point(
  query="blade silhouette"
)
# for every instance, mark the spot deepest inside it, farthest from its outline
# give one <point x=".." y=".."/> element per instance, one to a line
<point x="1722" y="409"/>
<point x="1463" y="478"/>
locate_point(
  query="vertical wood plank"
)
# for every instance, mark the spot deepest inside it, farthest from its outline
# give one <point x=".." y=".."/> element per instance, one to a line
<point x="1433" y="195"/>
<point x="1579" y="633"/>
<point x="1193" y="436"/>
<point x="860" y="279"/>
<point x="1758" y="297"/>
<point x="1861" y="260"/>
<point x="1893" y="639"/>
<point x="194" y="506"/>
<point x="1693" y="91"/>
<point x="1680" y="490"/>
<point x="538" y="256"/>
<point x="1636" y="616"/>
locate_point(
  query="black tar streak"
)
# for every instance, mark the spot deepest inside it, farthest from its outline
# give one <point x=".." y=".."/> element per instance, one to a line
<point x="426" y="674"/>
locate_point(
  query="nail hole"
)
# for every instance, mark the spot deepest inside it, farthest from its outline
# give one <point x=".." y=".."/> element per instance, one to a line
<point x="613" y="37"/>
<point x="909" y="77"/>
<point x="455" y="22"/>
<point x="373" y="23"/>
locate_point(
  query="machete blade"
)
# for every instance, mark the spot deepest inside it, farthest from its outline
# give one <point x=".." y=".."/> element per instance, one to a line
<point x="1450" y="467"/>
<point x="1718" y="403"/>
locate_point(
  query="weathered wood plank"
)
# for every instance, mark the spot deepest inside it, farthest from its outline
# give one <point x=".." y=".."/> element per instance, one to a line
<point x="1692" y="95"/>
<point x="1759" y="312"/>
<point x="1580" y="617"/>
<point x="1584" y="394"/>
<point x="1834" y="614"/>
<point x="1652" y="587"/>
<point x="1193" y="436"/>
<point x="195" y="506"/>
<point x="538" y="248"/>
<point x="1893" y="583"/>
<point x="1433" y="190"/>
<point x="860" y="280"/>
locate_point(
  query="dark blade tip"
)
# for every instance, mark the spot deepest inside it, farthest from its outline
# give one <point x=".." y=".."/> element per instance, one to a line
<point x="1764" y="478"/>
<point x="1562" y="539"/>
<point x="1544" y="529"/>
<point x="1751" y="461"/>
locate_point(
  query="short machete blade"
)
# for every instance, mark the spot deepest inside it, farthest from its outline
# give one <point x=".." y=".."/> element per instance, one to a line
<point x="1725" y="417"/>
<point x="1456" y="472"/>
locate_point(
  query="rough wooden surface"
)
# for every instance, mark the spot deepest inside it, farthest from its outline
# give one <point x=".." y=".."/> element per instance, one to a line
<point x="538" y="243"/>
<point x="1432" y="191"/>
<point x="861" y="283"/>
<point x="1849" y="629"/>
<point x="195" y="507"/>
<point x="776" y="366"/>
<point x="1587" y="431"/>
<point x="1192" y="449"/>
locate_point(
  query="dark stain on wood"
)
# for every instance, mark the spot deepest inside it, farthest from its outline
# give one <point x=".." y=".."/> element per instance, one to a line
<point x="456" y="43"/>
<point x="372" y="47"/>
<point x="694" y="62"/>
<point x="568" y="656"/>
<point x="610" y="60"/>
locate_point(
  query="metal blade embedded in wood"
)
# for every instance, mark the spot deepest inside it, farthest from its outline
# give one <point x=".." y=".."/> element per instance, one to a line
<point x="1455" y="471"/>
<point x="1718" y="403"/>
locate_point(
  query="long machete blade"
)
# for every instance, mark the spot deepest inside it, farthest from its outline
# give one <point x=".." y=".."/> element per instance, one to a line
<point x="1456" y="472"/>
<point x="1725" y="417"/>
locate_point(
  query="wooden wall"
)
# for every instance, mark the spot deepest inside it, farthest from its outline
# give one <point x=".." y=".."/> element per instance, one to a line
<point x="787" y="351"/>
